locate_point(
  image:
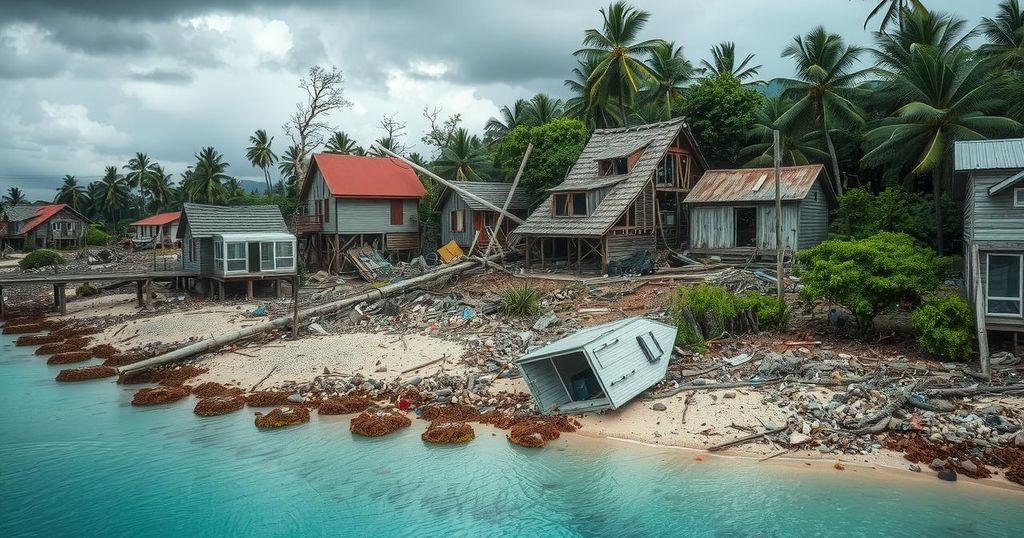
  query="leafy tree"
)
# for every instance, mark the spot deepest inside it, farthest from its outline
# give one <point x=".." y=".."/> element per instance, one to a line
<point x="42" y="257"/>
<point x="541" y="108"/>
<point x="945" y="326"/>
<point x="861" y="214"/>
<point x="206" y="183"/>
<point x="670" y="70"/>
<point x="720" y="112"/>
<point x="71" y="193"/>
<point x="261" y="155"/>
<point x="619" y="69"/>
<point x="95" y="236"/>
<point x="869" y="276"/>
<point x="325" y="94"/>
<point x="14" y="196"/>
<point x="233" y="191"/>
<point x="510" y="118"/>
<point x="798" y="144"/>
<point x="340" y="143"/>
<point x="464" y="159"/>
<point x="556" y="146"/>
<point x="823" y="88"/>
<point x="723" y="60"/>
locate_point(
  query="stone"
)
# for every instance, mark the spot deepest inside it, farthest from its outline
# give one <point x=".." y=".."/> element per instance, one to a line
<point x="729" y="394"/>
<point x="545" y="321"/>
<point x="318" y="329"/>
<point x="968" y="466"/>
<point x="659" y="407"/>
<point x="797" y="438"/>
<point x="937" y="464"/>
<point x="915" y="467"/>
<point x="1019" y="439"/>
<point x="806" y="428"/>
<point x="295" y="398"/>
<point x="948" y="476"/>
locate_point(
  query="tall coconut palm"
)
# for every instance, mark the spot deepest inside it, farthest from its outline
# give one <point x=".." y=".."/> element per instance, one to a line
<point x="260" y="154"/>
<point x="670" y="70"/>
<point x="920" y="28"/>
<point x="798" y="145"/>
<point x="949" y="97"/>
<point x="340" y="143"/>
<point x="387" y="142"/>
<point x="160" y="188"/>
<point x="140" y="170"/>
<point x="592" y="111"/>
<point x="823" y="91"/>
<point x="14" y="196"/>
<point x="542" y="108"/>
<point x="290" y="168"/>
<point x="208" y="176"/>
<point x="891" y="10"/>
<point x="619" y="71"/>
<point x="94" y="200"/>
<point x="464" y="159"/>
<point x="1004" y="36"/>
<point x="723" y="60"/>
<point x="113" y="195"/>
<point x="233" y="191"/>
<point x="71" y="193"/>
<point x="510" y="118"/>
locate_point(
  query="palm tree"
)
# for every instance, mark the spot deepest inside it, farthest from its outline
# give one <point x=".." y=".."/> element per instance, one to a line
<point x="823" y="91"/>
<point x="71" y="193"/>
<point x="112" y="195"/>
<point x="948" y="97"/>
<point x="541" y="108"/>
<point x="797" y="145"/>
<point x="497" y="128"/>
<point x="893" y="10"/>
<point x="160" y="188"/>
<point x="260" y="155"/>
<point x="385" y="142"/>
<point x="340" y="143"/>
<point x="920" y="27"/>
<point x="290" y="168"/>
<point x="464" y="159"/>
<point x="723" y="60"/>
<point x="1005" y="36"/>
<point x="619" y="71"/>
<point x="206" y="184"/>
<point x="94" y="200"/>
<point x="669" y="71"/>
<point x="233" y="191"/>
<point x="140" y="169"/>
<point x="592" y="111"/>
<point x="14" y="197"/>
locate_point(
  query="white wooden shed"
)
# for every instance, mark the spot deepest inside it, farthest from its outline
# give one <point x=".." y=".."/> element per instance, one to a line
<point x="600" y="367"/>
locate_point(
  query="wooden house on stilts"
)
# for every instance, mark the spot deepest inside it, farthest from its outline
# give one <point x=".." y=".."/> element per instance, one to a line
<point x="624" y="194"/>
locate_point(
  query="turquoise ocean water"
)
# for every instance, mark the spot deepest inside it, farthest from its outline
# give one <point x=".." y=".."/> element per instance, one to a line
<point x="78" y="460"/>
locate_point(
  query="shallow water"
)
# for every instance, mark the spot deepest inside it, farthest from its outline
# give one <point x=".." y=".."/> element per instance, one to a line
<point x="77" y="460"/>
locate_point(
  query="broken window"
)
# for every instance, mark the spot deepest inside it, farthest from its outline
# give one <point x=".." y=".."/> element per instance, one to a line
<point x="458" y="220"/>
<point x="570" y="204"/>
<point x="613" y="167"/>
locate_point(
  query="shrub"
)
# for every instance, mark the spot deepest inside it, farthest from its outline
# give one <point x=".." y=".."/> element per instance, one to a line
<point x="86" y="290"/>
<point x="520" y="301"/>
<point x="43" y="257"/>
<point x="772" y="313"/>
<point x="861" y="214"/>
<point x="95" y="236"/>
<point x="869" y="276"/>
<point x="945" y="326"/>
<point x="723" y="307"/>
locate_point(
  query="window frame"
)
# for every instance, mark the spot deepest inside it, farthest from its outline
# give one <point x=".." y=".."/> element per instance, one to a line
<point x="1019" y="299"/>
<point x="568" y="204"/>
<point x="397" y="208"/>
<point x="457" y="220"/>
<point x="228" y="259"/>
<point x="218" y="253"/>
<point x="1018" y="197"/>
<point x="278" y="256"/>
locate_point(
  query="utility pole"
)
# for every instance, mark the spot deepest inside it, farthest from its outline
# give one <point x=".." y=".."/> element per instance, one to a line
<point x="778" y="217"/>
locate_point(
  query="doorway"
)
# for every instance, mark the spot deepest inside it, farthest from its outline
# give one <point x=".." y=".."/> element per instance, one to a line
<point x="746" y="226"/>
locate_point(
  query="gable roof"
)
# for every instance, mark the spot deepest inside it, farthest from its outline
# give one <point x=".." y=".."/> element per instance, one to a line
<point x="207" y="220"/>
<point x="720" y="186"/>
<point x="355" y="176"/>
<point x="1007" y="154"/>
<point x="493" y="192"/>
<point x="20" y="212"/>
<point x="654" y="138"/>
<point x="34" y="215"/>
<point x="159" y="219"/>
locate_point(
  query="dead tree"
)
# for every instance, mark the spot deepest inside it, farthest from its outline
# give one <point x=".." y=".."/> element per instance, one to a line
<point x="306" y="126"/>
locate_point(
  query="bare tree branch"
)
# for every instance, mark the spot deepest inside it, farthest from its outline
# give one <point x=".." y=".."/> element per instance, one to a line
<point x="324" y="94"/>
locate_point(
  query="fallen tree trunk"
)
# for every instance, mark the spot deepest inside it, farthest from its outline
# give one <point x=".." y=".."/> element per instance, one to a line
<point x="209" y="344"/>
<point x="714" y="386"/>
<point x="985" y="389"/>
<point x="745" y="439"/>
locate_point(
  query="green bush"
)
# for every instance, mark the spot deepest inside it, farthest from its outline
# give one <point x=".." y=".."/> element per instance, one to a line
<point x="86" y="290"/>
<point x="723" y="306"/>
<point x="861" y="214"/>
<point x="95" y="236"/>
<point x="43" y="257"/>
<point x="945" y="326"/>
<point x="869" y="276"/>
<point x="520" y="301"/>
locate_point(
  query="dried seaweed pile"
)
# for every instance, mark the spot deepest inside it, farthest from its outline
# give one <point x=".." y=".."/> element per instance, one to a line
<point x="69" y="357"/>
<point x="159" y="395"/>
<point x="267" y="398"/>
<point x="344" y="405"/>
<point x="282" y="416"/>
<point x="218" y="405"/>
<point x="210" y="388"/>
<point x="88" y="372"/>
<point x="442" y="432"/>
<point x="379" y="422"/>
<point x="77" y="343"/>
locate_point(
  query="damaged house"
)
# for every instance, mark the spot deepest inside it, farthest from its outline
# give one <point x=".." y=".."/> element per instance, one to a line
<point x="623" y="195"/>
<point x="600" y="367"/>
<point x="26" y="226"/>
<point x="468" y="222"/>
<point x="732" y="212"/>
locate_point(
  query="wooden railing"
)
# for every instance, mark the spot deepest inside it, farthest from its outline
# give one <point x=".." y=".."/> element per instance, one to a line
<point x="300" y="224"/>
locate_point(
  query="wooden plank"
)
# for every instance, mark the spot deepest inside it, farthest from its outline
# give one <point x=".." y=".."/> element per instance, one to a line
<point x="979" y="309"/>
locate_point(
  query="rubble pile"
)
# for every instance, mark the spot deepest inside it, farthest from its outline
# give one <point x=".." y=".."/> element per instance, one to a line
<point x="282" y="416"/>
<point x="159" y="395"/>
<point x="378" y="422"/>
<point x="218" y="405"/>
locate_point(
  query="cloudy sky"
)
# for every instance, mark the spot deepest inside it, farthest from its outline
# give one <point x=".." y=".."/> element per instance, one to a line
<point x="84" y="84"/>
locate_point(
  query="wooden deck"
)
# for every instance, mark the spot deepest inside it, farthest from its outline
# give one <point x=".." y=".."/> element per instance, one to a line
<point x="59" y="281"/>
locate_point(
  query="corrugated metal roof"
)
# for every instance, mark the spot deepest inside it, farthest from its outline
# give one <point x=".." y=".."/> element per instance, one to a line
<point x="159" y="219"/>
<point x="365" y="177"/>
<point x="1007" y="154"/>
<point x="493" y="192"/>
<point x="717" y="186"/>
<point x="207" y="220"/>
<point x="655" y="138"/>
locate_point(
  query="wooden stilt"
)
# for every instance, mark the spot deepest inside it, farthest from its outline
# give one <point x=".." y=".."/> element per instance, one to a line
<point x="248" y="289"/>
<point x="295" y="306"/>
<point x="526" y="258"/>
<point x="220" y="288"/>
<point x="56" y="297"/>
<point x="3" y="304"/>
<point x="138" y="293"/>
<point x="62" y="303"/>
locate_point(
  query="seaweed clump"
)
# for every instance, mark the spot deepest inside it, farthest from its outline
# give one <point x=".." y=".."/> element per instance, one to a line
<point x="37" y="339"/>
<point x="535" y="433"/>
<point x="282" y="416"/>
<point x="71" y="344"/>
<point x="211" y="388"/>
<point x="85" y="373"/>
<point x="267" y="398"/>
<point x="377" y="423"/>
<point x="69" y="357"/>
<point x="159" y="395"/>
<point x="344" y="405"/>
<point x="219" y="405"/>
<point x="444" y="432"/>
<point x="450" y="413"/>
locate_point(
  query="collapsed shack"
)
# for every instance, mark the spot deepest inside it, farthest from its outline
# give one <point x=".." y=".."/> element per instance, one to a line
<point x="600" y="367"/>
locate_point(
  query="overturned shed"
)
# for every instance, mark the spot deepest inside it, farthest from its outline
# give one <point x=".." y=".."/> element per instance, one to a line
<point x="600" y="367"/>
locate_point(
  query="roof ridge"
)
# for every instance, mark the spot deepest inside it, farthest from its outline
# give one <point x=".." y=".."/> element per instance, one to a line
<point x="643" y="127"/>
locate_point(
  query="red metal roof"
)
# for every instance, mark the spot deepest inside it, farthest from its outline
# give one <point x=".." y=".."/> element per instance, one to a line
<point x="756" y="184"/>
<point x="366" y="177"/>
<point x="159" y="219"/>
<point x="42" y="215"/>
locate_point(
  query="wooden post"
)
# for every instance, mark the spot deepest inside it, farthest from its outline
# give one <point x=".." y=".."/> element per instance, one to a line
<point x="138" y="293"/>
<point x="3" y="305"/>
<point x="508" y="199"/>
<point x="526" y="258"/>
<point x="62" y="303"/>
<point x="248" y="289"/>
<point x="778" y="217"/>
<point x="979" y="308"/>
<point x="56" y="297"/>
<point x="604" y="255"/>
<point x="149" y="292"/>
<point x="295" y="306"/>
<point x="220" y="290"/>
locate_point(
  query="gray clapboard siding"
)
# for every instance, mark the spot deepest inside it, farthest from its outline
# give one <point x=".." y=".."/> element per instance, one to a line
<point x="623" y="246"/>
<point x="188" y="263"/>
<point x="372" y="215"/>
<point x="463" y="238"/>
<point x="992" y="218"/>
<point x="766" y="226"/>
<point x="813" y="218"/>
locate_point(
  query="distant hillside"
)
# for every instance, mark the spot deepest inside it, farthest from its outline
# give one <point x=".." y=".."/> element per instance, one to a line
<point x="252" y="186"/>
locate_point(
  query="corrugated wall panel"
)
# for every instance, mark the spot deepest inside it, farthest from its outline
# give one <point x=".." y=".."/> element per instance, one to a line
<point x="766" y="226"/>
<point x="813" y="218"/>
<point x="544" y="383"/>
<point x="463" y="238"/>
<point x="712" y="227"/>
<point x="357" y="215"/>
<point x="994" y="218"/>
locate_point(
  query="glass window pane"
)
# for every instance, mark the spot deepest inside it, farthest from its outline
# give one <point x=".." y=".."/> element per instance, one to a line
<point x="560" y="202"/>
<point x="284" y="248"/>
<point x="236" y="265"/>
<point x="1003" y="276"/>
<point x="1002" y="306"/>
<point x="266" y="256"/>
<point x="579" y="204"/>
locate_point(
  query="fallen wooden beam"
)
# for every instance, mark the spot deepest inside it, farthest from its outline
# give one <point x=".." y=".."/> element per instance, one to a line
<point x="745" y="439"/>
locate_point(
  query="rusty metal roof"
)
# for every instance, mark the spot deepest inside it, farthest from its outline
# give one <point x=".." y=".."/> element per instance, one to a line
<point x="756" y="184"/>
<point x="990" y="154"/>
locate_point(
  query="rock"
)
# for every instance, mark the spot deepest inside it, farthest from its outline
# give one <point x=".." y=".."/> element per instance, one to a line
<point x="659" y="407"/>
<point x="969" y="467"/>
<point x="937" y="464"/>
<point x="806" y="428"/>
<point x="729" y="394"/>
<point x="698" y="382"/>
<point x="915" y="467"/>
<point x="296" y="398"/>
<point x="545" y="321"/>
<point x="318" y="329"/>
<point x="797" y="438"/>
<point x="948" y="476"/>
<point x="1019" y="439"/>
